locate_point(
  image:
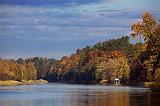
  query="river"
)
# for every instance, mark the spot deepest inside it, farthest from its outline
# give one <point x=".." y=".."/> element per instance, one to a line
<point x="58" y="94"/>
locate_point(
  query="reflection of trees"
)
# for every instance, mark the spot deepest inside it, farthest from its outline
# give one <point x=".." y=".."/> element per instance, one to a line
<point x="115" y="98"/>
<point x="154" y="98"/>
<point x="139" y="99"/>
<point x="145" y="99"/>
<point x="87" y="97"/>
<point x="96" y="98"/>
<point x="118" y="99"/>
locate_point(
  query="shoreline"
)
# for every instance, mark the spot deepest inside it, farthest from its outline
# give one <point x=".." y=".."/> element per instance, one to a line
<point x="154" y="86"/>
<point x="29" y="82"/>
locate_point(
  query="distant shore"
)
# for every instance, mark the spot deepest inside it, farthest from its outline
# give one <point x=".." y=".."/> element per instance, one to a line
<point x="154" y="86"/>
<point x="29" y="82"/>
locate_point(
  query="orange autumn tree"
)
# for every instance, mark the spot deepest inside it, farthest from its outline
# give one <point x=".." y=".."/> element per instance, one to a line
<point x="149" y="29"/>
<point x="113" y="65"/>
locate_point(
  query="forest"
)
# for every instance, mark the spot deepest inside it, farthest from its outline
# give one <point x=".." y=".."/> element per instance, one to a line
<point x="107" y="60"/>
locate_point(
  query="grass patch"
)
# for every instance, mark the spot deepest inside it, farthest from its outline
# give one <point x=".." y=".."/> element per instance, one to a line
<point x="9" y="83"/>
<point x="30" y="82"/>
<point x="155" y="86"/>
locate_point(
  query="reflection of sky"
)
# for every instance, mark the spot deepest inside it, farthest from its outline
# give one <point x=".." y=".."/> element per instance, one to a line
<point x="54" y="28"/>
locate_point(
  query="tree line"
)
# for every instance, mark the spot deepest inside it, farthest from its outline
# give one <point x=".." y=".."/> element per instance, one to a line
<point x="114" y="58"/>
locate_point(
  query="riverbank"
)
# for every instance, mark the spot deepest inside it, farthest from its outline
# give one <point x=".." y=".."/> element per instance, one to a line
<point x="30" y="82"/>
<point x="154" y="86"/>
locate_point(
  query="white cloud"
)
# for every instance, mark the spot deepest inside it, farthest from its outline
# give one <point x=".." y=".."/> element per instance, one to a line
<point x="75" y="24"/>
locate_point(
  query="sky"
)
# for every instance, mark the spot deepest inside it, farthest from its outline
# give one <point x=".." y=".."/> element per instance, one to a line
<point x="56" y="28"/>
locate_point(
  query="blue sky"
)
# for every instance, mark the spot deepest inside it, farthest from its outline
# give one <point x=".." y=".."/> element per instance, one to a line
<point x="54" y="28"/>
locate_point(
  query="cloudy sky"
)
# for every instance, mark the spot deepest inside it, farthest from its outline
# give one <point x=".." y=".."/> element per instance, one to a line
<point x="54" y="28"/>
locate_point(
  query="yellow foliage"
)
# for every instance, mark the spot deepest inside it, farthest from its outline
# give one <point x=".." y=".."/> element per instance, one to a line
<point x="10" y="70"/>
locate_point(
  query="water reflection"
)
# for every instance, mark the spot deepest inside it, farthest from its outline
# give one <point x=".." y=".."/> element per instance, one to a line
<point x="154" y="98"/>
<point x="77" y="95"/>
<point x="114" y="98"/>
<point x="102" y="99"/>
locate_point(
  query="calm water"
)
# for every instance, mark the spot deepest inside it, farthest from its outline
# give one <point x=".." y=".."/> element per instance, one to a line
<point x="55" y="94"/>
